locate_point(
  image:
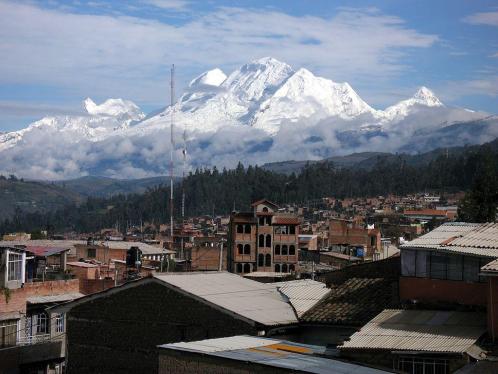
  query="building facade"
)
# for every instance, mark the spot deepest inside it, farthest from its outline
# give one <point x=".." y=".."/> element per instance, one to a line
<point x="263" y="240"/>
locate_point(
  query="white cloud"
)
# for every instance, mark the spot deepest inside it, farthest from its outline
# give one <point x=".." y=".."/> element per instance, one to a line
<point x="168" y="4"/>
<point x="483" y="18"/>
<point x="116" y="55"/>
<point x="485" y="85"/>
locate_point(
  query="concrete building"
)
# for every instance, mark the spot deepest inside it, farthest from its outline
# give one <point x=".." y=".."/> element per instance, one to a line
<point x="348" y="235"/>
<point x="32" y="336"/>
<point x="263" y="240"/>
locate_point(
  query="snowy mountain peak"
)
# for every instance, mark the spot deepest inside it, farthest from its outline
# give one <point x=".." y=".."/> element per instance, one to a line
<point x="214" y="77"/>
<point x="258" y="79"/>
<point x="426" y="96"/>
<point x="113" y="108"/>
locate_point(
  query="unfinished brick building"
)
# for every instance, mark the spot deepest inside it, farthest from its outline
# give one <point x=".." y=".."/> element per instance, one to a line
<point x="263" y="240"/>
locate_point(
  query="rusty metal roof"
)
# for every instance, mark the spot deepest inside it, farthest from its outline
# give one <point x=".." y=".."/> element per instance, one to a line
<point x="275" y="353"/>
<point x="420" y="330"/>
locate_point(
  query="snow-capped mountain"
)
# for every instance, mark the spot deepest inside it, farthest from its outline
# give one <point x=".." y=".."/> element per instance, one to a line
<point x="264" y="111"/>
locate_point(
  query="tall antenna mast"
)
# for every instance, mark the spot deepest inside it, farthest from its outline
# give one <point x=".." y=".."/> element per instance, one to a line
<point x="172" y="145"/>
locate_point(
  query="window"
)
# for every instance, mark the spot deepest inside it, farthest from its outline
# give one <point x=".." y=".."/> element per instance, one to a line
<point x="268" y="241"/>
<point x="247" y="229"/>
<point x="247" y="249"/>
<point x="292" y="268"/>
<point x="268" y="260"/>
<point x="408" y="263"/>
<point x="261" y="259"/>
<point x="261" y="221"/>
<point x="373" y="241"/>
<point x="284" y="268"/>
<point x="59" y="322"/>
<point x="247" y="268"/>
<point x="238" y="269"/>
<point x="277" y="268"/>
<point x="240" y="249"/>
<point x="265" y="209"/>
<point x="41" y="323"/>
<point x="15" y="267"/>
<point x="416" y="365"/>
<point x="240" y="229"/>
<point x="277" y="249"/>
<point x="284" y="250"/>
<point x="268" y="220"/>
<point x="455" y="267"/>
<point x="439" y="266"/>
<point x="470" y="269"/>
<point x="281" y="230"/>
<point x="91" y="253"/>
<point x="8" y="333"/>
<point x="292" y="250"/>
<point x="292" y="230"/>
<point x="261" y="242"/>
<point x="422" y="264"/>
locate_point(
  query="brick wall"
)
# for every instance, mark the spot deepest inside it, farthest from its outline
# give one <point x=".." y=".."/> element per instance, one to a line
<point x="436" y="291"/>
<point x="120" y="332"/>
<point x="88" y="286"/>
<point x="17" y="297"/>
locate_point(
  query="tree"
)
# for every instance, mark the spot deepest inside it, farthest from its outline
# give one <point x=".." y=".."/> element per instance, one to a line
<point x="480" y="203"/>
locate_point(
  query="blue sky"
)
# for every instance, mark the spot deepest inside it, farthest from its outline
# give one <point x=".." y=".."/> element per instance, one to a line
<point x="56" y="53"/>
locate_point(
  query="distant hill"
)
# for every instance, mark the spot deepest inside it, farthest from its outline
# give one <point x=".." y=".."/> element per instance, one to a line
<point x="105" y="187"/>
<point x="354" y="159"/>
<point x="366" y="160"/>
<point x="31" y="196"/>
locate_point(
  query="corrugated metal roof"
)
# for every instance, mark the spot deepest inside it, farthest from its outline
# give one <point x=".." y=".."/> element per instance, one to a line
<point x="480" y="239"/>
<point x="253" y="300"/>
<point x="303" y="294"/>
<point x="271" y="352"/>
<point x="54" y="298"/>
<point x="45" y="251"/>
<point x="420" y="330"/>
<point x="491" y="267"/>
<point x="146" y="249"/>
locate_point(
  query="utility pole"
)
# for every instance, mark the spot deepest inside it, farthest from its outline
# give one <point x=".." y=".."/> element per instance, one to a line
<point x="220" y="267"/>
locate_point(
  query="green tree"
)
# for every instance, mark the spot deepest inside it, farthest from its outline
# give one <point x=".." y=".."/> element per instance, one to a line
<point x="480" y="203"/>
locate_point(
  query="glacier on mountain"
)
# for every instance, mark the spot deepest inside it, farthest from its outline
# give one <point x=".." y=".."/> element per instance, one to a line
<point x="264" y="111"/>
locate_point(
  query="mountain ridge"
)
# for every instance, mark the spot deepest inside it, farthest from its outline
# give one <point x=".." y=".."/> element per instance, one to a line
<point x="264" y="111"/>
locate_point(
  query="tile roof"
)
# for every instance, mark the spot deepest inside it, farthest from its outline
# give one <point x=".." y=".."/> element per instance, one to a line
<point x="252" y="300"/>
<point x="419" y="330"/>
<point x="270" y="352"/>
<point x="480" y="239"/>
<point x="303" y="294"/>
<point x="354" y="302"/>
<point x="425" y="212"/>
<point x="285" y="220"/>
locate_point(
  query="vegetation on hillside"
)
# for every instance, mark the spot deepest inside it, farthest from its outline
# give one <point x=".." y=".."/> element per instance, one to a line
<point x="210" y="191"/>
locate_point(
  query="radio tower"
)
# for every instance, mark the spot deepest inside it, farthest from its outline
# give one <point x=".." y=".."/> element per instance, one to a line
<point x="171" y="165"/>
<point x="172" y="145"/>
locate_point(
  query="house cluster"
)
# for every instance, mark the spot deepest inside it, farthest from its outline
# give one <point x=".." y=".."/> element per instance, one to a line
<point x="430" y="308"/>
<point x="316" y="287"/>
